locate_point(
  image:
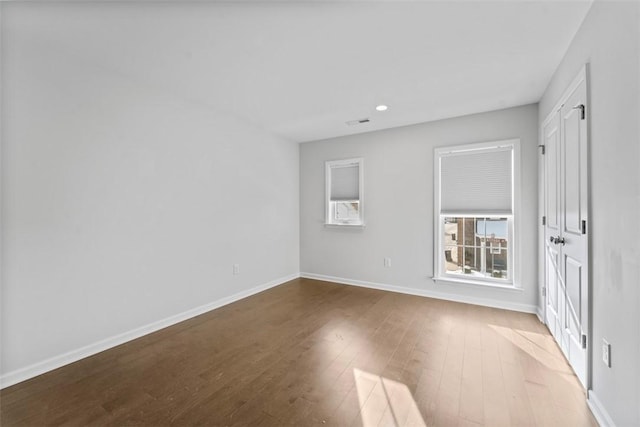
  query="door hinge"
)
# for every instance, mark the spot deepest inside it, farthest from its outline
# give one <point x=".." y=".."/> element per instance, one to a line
<point x="542" y="146"/>
<point x="584" y="226"/>
<point x="584" y="341"/>
<point x="581" y="108"/>
<point x="544" y="291"/>
<point x="544" y="220"/>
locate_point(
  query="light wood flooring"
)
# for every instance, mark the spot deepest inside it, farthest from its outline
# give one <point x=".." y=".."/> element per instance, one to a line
<point x="315" y="353"/>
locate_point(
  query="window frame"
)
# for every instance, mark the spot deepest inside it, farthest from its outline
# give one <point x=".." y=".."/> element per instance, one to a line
<point x="513" y="245"/>
<point x="329" y="218"/>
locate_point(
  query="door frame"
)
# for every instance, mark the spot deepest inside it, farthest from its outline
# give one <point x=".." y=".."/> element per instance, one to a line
<point x="582" y="75"/>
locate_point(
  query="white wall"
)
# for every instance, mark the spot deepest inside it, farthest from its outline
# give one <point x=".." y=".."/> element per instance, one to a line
<point x="122" y="203"/>
<point x="398" y="181"/>
<point x="609" y="41"/>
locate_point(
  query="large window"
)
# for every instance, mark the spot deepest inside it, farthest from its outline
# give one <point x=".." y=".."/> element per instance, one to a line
<point x="344" y="204"/>
<point x="475" y="214"/>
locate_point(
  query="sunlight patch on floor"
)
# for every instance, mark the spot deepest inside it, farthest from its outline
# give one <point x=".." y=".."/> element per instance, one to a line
<point x="539" y="346"/>
<point x="385" y="402"/>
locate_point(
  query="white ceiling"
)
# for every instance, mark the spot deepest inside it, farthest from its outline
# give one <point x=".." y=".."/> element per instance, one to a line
<point x="302" y="69"/>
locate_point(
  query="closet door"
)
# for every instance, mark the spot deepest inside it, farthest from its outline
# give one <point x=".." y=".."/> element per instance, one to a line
<point x="566" y="238"/>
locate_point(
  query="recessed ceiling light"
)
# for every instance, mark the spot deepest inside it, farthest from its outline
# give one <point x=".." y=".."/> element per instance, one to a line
<point x="381" y="107"/>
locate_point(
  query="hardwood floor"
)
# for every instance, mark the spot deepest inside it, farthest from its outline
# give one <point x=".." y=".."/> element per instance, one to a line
<point x="310" y="352"/>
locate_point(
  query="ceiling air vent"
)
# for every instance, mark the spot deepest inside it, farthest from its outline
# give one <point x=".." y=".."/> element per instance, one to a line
<point x="357" y="122"/>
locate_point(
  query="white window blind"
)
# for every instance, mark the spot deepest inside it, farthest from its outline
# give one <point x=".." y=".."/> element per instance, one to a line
<point x="477" y="181"/>
<point x="345" y="182"/>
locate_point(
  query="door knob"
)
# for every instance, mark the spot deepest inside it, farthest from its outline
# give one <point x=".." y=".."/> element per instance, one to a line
<point x="557" y="240"/>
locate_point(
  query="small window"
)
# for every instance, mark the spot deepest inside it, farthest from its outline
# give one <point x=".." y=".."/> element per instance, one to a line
<point x="344" y="192"/>
<point x="474" y="204"/>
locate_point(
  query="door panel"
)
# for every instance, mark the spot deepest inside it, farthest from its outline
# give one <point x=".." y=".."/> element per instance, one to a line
<point x="571" y="169"/>
<point x="573" y="273"/>
<point x="554" y="294"/>
<point x="554" y="286"/>
<point x="552" y="148"/>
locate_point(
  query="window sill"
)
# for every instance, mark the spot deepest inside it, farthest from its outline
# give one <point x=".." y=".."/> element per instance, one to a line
<point x="329" y="224"/>
<point x="455" y="280"/>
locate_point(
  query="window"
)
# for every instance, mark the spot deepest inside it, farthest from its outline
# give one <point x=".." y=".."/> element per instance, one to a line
<point x="474" y="211"/>
<point x="344" y="187"/>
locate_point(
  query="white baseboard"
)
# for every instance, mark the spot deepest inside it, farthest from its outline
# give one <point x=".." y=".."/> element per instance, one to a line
<point x="540" y="314"/>
<point x="525" y="308"/>
<point x="19" y="375"/>
<point x="599" y="412"/>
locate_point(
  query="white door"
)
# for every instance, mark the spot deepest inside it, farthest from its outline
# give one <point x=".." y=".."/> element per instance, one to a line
<point x="555" y="294"/>
<point x="566" y="232"/>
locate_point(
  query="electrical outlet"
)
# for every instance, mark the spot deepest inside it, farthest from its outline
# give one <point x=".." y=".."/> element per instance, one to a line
<point x="606" y="353"/>
<point x="387" y="262"/>
<point x="236" y="269"/>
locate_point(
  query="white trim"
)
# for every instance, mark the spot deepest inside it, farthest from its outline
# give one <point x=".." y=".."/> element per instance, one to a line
<point x="503" y="144"/>
<point x="451" y="278"/>
<point x="540" y="314"/>
<point x="19" y="375"/>
<point x="599" y="412"/>
<point x="514" y="306"/>
<point x="326" y="224"/>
